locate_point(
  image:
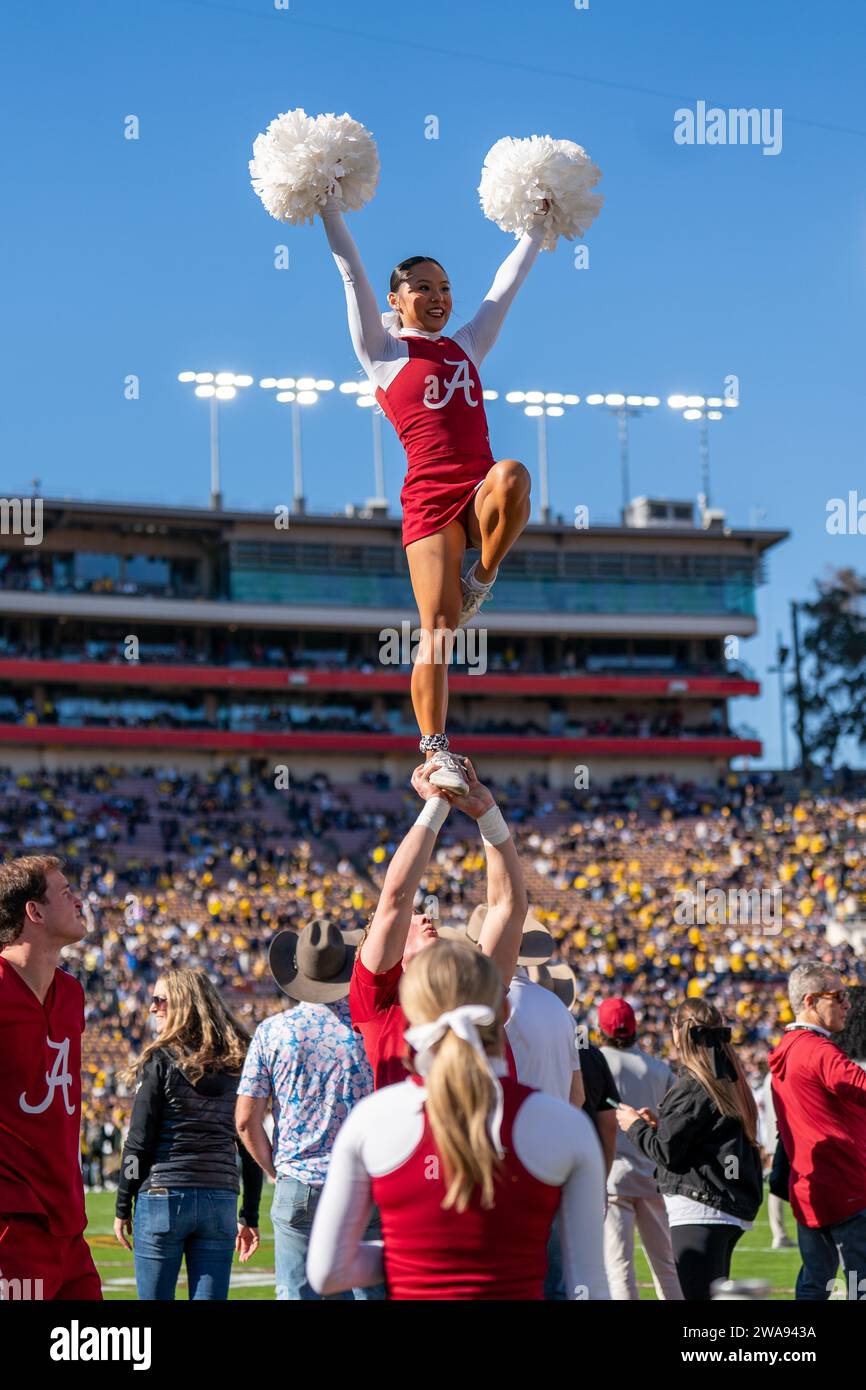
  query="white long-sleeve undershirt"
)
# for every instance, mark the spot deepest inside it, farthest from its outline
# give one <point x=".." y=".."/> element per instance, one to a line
<point x="555" y="1142"/>
<point x="379" y="352"/>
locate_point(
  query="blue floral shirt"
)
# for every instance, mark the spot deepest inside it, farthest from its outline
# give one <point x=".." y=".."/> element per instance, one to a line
<point x="312" y="1066"/>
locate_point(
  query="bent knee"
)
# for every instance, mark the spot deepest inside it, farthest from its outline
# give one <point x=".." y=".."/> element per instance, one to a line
<point x="511" y="477"/>
<point x="442" y="618"/>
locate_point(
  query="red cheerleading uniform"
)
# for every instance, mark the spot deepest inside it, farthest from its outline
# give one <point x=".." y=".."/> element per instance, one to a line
<point x="42" y="1215"/>
<point x="436" y="406"/>
<point x="500" y="1253"/>
<point x="378" y="1017"/>
<point x="428" y="384"/>
<point x="385" y="1155"/>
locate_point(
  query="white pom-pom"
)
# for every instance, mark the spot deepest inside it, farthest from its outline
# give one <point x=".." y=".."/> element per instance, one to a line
<point x="517" y="174"/>
<point x="302" y="161"/>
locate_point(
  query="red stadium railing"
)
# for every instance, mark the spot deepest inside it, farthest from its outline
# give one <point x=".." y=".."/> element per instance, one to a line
<point x="54" y="736"/>
<point x="250" y="678"/>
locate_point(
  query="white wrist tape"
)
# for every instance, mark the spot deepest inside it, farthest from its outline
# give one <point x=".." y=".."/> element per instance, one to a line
<point x="434" y="813"/>
<point x="492" y="825"/>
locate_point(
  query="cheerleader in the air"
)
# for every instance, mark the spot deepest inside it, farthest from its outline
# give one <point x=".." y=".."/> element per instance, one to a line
<point x="455" y="494"/>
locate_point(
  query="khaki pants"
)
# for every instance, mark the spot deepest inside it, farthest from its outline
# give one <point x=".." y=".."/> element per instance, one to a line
<point x="648" y="1213"/>
<point x="776" y="1213"/>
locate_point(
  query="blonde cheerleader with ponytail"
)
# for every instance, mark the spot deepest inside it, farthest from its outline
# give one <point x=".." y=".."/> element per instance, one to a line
<point x="468" y="1168"/>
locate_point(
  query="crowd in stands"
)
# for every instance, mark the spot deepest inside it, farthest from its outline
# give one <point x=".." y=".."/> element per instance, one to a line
<point x="244" y="650"/>
<point x="90" y="711"/>
<point x="180" y="869"/>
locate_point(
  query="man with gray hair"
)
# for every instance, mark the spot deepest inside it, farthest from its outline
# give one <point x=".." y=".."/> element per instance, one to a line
<point x="820" y="1101"/>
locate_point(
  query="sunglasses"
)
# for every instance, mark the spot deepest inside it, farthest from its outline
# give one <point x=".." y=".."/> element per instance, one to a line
<point x="840" y="995"/>
<point x="159" y="1000"/>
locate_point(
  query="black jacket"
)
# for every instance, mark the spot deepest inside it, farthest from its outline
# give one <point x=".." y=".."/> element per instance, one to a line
<point x="701" y="1153"/>
<point x="184" y="1135"/>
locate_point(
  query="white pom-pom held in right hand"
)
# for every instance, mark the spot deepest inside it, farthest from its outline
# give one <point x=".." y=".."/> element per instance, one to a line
<point x="517" y="174"/>
<point x="302" y="162"/>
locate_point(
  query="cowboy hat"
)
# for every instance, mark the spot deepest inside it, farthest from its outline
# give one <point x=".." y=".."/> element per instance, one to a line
<point x="558" y="977"/>
<point x="458" y="934"/>
<point x="536" y="946"/>
<point x="314" y="965"/>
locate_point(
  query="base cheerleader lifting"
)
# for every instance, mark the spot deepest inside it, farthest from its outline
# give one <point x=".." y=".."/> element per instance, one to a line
<point x="455" y="494"/>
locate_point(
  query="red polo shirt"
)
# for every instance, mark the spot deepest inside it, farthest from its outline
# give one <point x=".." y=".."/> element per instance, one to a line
<point x="378" y="1017"/>
<point x="40" y="1101"/>
<point x="819" y="1096"/>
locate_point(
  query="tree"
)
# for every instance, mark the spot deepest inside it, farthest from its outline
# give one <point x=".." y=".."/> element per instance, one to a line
<point x="834" y="671"/>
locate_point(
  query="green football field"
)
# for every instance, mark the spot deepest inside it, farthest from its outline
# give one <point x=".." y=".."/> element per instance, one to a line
<point x="753" y="1258"/>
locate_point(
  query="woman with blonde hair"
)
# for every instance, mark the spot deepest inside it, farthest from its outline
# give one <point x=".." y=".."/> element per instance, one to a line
<point x="704" y="1143"/>
<point x="468" y="1168"/>
<point x="180" y="1161"/>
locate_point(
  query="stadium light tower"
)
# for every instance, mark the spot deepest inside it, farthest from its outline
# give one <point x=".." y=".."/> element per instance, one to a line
<point x="215" y="387"/>
<point x="703" y="409"/>
<point x="541" y="405"/>
<point x="625" y="408"/>
<point x="364" y="393"/>
<point x="296" y="392"/>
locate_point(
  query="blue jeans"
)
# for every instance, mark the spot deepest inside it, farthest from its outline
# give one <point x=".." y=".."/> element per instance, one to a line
<point x="292" y="1212"/>
<point x="823" y="1249"/>
<point x="198" y="1222"/>
<point x="554" y="1281"/>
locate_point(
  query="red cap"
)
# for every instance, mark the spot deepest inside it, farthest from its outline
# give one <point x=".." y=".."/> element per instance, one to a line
<point x="616" y="1018"/>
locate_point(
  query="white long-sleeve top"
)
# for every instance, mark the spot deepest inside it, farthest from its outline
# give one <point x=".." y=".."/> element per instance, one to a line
<point x="382" y="354"/>
<point x="555" y="1142"/>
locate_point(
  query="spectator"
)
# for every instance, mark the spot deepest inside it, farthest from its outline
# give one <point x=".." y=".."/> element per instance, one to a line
<point x="309" y="1064"/>
<point x="543" y="1034"/>
<point x="633" y="1198"/>
<point x="820" y="1100"/>
<point x="600" y="1088"/>
<point x="704" y="1144"/>
<point x="180" y="1161"/>
<point x="544" y="1040"/>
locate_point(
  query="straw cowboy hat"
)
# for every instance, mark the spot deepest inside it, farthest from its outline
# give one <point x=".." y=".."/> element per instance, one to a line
<point x="458" y="934"/>
<point x="315" y="964"/>
<point x="558" y="977"/>
<point x="537" y="944"/>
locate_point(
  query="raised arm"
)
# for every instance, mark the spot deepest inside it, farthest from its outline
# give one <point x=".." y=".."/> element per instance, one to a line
<point x="386" y="939"/>
<point x="370" y="339"/>
<point x="481" y="332"/>
<point x="507" y="904"/>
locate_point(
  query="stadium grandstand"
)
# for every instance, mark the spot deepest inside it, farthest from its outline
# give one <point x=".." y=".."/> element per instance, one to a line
<point x="190" y="636"/>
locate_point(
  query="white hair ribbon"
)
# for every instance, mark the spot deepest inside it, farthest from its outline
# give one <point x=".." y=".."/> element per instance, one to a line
<point x="462" y="1021"/>
<point x="391" y="321"/>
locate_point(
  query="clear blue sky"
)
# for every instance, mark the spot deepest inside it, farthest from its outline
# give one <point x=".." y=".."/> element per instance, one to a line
<point x="153" y="256"/>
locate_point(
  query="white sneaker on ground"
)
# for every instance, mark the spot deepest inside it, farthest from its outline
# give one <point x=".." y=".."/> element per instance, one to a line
<point x="449" y="774"/>
<point x="474" y="594"/>
<point x="783" y="1243"/>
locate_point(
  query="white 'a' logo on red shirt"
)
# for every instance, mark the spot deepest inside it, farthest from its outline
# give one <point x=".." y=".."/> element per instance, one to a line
<point x="60" y="1075"/>
<point x="460" y="380"/>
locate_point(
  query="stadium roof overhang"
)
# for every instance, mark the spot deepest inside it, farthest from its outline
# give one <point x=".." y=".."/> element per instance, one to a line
<point x="361" y="619"/>
<point x="70" y="512"/>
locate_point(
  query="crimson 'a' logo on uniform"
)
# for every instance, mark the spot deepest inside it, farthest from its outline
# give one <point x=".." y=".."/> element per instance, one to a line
<point x="461" y="380"/>
<point x="59" y="1076"/>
